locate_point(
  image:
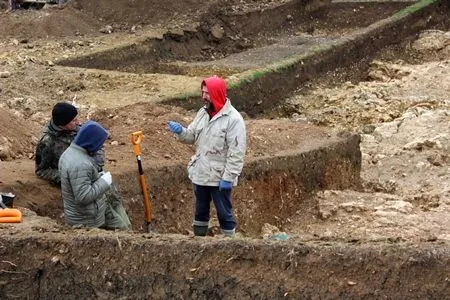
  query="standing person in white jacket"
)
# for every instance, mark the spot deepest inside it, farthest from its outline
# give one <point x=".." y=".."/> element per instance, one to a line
<point x="218" y="133"/>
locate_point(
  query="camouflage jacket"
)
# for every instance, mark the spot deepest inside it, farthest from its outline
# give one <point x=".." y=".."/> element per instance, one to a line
<point x="53" y="142"/>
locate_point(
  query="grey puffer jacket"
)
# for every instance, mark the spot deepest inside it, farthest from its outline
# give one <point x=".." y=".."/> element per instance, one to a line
<point x="220" y="144"/>
<point x="83" y="191"/>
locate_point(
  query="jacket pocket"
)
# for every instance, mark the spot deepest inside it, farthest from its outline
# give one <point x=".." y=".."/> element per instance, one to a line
<point x="216" y="173"/>
<point x="91" y="209"/>
<point x="192" y="161"/>
<point x="218" y="140"/>
<point x="199" y="169"/>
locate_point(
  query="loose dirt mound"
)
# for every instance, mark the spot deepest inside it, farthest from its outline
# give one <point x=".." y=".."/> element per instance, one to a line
<point x="48" y="22"/>
<point x="17" y="136"/>
<point x="85" y="17"/>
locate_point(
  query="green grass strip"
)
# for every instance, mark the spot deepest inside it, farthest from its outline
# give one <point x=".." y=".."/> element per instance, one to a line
<point x="415" y="7"/>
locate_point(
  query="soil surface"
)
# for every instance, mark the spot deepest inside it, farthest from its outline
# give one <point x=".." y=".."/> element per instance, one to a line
<point x="401" y="110"/>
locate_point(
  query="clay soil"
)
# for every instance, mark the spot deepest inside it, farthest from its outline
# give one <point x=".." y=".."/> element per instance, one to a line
<point x="400" y="107"/>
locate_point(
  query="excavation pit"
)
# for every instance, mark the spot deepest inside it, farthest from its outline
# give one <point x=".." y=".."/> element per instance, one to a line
<point x="279" y="176"/>
<point x="288" y="164"/>
<point x="227" y="42"/>
<point x="295" y="44"/>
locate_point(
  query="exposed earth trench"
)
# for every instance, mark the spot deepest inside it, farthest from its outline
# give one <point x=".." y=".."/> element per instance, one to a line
<point x="345" y="192"/>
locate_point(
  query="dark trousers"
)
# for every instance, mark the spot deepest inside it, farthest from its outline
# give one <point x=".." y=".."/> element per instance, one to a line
<point x="222" y="202"/>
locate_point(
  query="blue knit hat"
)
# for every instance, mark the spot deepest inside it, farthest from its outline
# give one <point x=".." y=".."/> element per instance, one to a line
<point x="91" y="136"/>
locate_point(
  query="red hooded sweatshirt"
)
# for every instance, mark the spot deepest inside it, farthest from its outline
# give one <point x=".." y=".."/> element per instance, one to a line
<point x="217" y="89"/>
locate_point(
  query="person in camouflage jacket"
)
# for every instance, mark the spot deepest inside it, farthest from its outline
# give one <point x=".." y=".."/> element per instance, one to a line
<point x="56" y="137"/>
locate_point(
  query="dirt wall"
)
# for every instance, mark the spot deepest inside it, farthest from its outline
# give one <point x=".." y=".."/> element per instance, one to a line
<point x="140" y="11"/>
<point x="270" y="190"/>
<point x="95" y="265"/>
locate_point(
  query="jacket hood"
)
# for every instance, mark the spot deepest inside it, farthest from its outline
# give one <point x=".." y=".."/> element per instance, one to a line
<point x="217" y="90"/>
<point x="91" y="136"/>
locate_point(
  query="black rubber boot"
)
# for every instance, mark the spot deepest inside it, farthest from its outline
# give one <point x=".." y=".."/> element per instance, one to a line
<point x="200" y="230"/>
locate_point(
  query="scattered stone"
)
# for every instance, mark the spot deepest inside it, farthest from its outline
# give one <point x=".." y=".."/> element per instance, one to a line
<point x="176" y="34"/>
<point x="217" y="32"/>
<point x="269" y="230"/>
<point x="432" y="238"/>
<point x="107" y="29"/>
<point x="421" y="165"/>
<point x="420" y="145"/>
<point x="368" y="129"/>
<point x="438" y="160"/>
<point x="431" y="40"/>
<point x="5" y="74"/>
<point x="114" y="143"/>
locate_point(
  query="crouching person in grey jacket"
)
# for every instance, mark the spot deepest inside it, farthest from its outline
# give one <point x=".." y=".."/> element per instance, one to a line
<point x="83" y="188"/>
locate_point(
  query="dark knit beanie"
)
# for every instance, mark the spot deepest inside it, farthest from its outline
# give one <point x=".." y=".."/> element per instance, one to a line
<point x="63" y="113"/>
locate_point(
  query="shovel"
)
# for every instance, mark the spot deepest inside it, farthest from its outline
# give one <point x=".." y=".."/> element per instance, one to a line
<point x="136" y="139"/>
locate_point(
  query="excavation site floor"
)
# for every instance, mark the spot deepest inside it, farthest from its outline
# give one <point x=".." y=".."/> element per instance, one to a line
<point x="345" y="192"/>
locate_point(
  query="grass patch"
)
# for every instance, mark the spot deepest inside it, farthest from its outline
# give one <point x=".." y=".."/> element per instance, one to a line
<point x="413" y="8"/>
<point x="187" y="96"/>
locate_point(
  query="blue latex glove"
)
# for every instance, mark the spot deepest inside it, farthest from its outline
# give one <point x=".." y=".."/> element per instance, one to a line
<point x="175" y="127"/>
<point x="225" y="185"/>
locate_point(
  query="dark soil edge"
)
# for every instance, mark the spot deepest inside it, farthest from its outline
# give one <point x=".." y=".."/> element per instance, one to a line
<point x="92" y="265"/>
<point x="257" y="93"/>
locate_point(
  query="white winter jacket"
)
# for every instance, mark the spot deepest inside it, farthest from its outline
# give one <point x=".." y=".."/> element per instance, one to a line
<point x="220" y="146"/>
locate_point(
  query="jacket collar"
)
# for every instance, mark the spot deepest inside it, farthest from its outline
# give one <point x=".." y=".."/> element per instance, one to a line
<point x="53" y="129"/>
<point x="226" y="109"/>
<point x="79" y="148"/>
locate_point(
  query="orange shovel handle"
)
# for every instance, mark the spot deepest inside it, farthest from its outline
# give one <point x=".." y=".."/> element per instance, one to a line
<point x="147" y="206"/>
<point x="136" y="139"/>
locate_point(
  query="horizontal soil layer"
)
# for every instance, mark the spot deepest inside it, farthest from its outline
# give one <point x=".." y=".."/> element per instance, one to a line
<point x="101" y="265"/>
